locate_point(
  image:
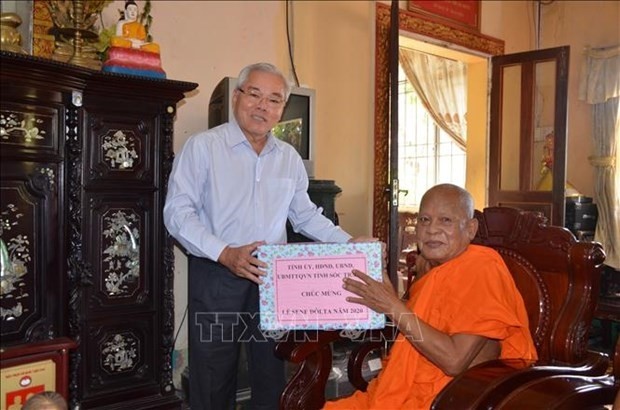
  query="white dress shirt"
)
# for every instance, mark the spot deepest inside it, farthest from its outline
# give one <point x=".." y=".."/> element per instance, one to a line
<point x="222" y="193"/>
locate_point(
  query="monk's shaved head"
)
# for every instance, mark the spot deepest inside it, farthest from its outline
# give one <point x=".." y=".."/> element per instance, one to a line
<point x="445" y="225"/>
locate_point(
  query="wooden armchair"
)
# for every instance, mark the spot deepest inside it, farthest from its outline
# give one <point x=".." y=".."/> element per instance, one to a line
<point x="558" y="278"/>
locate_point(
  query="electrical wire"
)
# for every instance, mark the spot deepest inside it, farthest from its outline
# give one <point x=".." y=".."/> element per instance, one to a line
<point x="290" y="45"/>
<point x="174" y="343"/>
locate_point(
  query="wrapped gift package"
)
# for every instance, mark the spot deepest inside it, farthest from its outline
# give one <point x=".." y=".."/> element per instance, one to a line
<point x="303" y="286"/>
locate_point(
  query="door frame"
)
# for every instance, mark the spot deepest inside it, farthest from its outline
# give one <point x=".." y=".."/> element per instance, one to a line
<point x="424" y="26"/>
<point x="550" y="203"/>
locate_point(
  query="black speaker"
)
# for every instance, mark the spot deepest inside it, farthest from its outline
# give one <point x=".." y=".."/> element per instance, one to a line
<point x="581" y="213"/>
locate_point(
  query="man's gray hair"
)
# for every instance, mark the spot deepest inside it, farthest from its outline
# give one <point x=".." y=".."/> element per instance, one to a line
<point x="267" y="68"/>
<point x="48" y="400"/>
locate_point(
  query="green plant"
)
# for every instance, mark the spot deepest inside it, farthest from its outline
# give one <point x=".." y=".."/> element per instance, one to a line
<point x="146" y="19"/>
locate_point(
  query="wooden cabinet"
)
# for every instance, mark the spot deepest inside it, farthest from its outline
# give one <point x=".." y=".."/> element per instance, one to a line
<point x="85" y="159"/>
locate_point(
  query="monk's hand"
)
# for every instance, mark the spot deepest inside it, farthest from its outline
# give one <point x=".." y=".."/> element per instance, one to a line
<point x="378" y="296"/>
<point x="241" y="262"/>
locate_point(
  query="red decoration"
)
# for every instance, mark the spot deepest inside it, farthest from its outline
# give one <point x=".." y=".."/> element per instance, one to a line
<point x="464" y="13"/>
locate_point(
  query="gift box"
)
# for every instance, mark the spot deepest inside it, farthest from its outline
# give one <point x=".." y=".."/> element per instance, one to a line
<point x="303" y="286"/>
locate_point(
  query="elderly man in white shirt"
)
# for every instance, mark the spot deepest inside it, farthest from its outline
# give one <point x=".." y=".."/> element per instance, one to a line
<point x="232" y="189"/>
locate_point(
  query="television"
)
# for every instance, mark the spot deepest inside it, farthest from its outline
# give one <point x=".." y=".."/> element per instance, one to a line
<point x="295" y="127"/>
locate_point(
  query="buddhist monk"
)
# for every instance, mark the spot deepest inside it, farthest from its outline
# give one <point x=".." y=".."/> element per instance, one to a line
<point x="463" y="309"/>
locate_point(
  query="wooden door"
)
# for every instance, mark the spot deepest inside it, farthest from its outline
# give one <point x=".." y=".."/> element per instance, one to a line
<point x="527" y="166"/>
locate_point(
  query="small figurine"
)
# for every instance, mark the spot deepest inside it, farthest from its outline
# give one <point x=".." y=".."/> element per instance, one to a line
<point x="130" y="33"/>
<point x="129" y="52"/>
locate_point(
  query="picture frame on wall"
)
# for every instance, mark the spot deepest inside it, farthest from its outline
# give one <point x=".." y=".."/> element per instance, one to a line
<point x="462" y="13"/>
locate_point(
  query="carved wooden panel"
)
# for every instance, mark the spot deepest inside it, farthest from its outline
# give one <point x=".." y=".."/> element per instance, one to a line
<point x="119" y="355"/>
<point x="121" y="238"/>
<point x="29" y="226"/>
<point x="29" y="128"/>
<point x="120" y="147"/>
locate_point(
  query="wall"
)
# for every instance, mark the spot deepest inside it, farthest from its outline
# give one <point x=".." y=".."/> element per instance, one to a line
<point x="579" y="24"/>
<point x="573" y="23"/>
<point x="337" y="60"/>
<point x="203" y="41"/>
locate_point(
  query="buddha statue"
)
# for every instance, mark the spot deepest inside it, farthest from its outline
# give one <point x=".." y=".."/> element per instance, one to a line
<point x="130" y="33"/>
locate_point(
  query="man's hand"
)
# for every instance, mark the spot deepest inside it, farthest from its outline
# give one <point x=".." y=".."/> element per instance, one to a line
<point x="241" y="262"/>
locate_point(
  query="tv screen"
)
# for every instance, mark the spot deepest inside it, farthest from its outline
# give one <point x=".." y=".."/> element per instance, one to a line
<point x="296" y="126"/>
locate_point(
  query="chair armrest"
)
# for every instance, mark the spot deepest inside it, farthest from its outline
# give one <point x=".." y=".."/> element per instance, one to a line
<point x="356" y="361"/>
<point x="485" y="386"/>
<point x="563" y="392"/>
<point x="376" y="340"/>
<point x="312" y="350"/>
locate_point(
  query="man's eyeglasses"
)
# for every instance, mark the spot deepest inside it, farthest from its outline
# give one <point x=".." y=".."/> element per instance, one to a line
<point x="256" y="97"/>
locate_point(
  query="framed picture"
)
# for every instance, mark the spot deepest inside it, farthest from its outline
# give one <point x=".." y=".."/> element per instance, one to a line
<point x="465" y="13"/>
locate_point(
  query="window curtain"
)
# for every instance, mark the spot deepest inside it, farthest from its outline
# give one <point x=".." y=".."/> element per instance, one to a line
<point x="441" y="84"/>
<point x="600" y="87"/>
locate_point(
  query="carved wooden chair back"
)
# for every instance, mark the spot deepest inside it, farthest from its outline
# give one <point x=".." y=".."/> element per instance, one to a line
<point x="557" y="276"/>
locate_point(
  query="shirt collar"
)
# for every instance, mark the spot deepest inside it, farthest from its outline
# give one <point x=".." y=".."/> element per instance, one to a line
<point x="236" y="137"/>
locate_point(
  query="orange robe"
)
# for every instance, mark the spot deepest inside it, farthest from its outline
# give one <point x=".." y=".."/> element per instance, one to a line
<point x="135" y="30"/>
<point x="473" y="293"/>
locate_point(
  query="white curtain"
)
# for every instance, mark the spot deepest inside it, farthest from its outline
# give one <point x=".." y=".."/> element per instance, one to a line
<point x="441" y="84"/>
<point x="600" y="86"/>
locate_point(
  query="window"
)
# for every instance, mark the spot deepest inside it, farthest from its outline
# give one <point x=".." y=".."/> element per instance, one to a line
<point x="427" y="155"/>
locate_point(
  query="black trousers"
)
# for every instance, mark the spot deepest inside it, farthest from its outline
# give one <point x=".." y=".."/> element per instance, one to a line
<point x="223" y="317"/>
